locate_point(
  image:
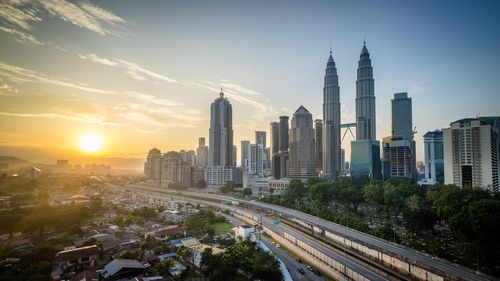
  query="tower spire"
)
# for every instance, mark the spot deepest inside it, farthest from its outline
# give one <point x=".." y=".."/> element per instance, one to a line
<point x="330" y="47"/>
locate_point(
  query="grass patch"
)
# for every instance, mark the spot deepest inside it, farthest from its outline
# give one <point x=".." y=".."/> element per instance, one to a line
<point x="221" y="228"/>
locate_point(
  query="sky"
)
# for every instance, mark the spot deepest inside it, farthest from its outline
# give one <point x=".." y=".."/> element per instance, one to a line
<point x="142" y="74"/>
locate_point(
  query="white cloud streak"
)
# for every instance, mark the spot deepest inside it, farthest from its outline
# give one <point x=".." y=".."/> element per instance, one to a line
<point x="135" y="70"/>
<point x="17" y="17"/>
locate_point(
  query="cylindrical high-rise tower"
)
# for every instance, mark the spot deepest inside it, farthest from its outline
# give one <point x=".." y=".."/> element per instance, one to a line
<point x="331" y="121"/>
<point x="365" y="98"/>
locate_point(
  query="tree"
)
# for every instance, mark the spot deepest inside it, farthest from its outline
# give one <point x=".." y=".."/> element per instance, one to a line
<point x="322" y="192"/>
<point x="163" y="266"/>
<point x="227" y="187"/>
<point x="247" y="191"/>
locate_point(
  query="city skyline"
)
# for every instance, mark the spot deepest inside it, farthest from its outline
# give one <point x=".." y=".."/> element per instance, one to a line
<point x="115" y="70"/>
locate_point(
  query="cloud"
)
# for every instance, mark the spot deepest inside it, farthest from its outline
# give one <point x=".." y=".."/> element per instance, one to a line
<point x="417" y="88"/>
<point x="96" y="59"/>
<point x="17" y="17"/>
<point x="18" y="13"/>
<point x="100" y="13"/>
<point x="84" y="118"/>
<point x="243" y="95"/>
<point x="135" y="71"/>
<point x="20" y="74"/>
<point x="16" y="73"/>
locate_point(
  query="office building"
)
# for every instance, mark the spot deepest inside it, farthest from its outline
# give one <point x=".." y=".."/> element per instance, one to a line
<point x="318" y="145"/>
<point x="365" y="161"/>
<point x="283" y="134"/>
<point x="260" y="138"/>
<point x="331" y="121"/>
<point x="402" y="116"/>
<point x="202" y="153"/>
<point x="278" y="169"/>
<point x="301" y="163"/>
<point x="217" y="176"/>
<point x="220" y="149"/>
<point x="365" y="98"/>
<point x="235" y="156"/>
<point x="433" y="158"/>
<point x="274" y="134"/>
<point x="398" y="154"/>
<point x="471" y="153"/>
<point x="245" y="154"/>
<point x="256" y="160"/>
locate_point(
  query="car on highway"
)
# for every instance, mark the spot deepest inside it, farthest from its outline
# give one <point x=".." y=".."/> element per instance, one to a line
<point x="310" y="268"/>
<point x="298" y="260"/>
<point x="315" y="271"/>
<point x="302" y="271"/>
<point x="277" y="245"/>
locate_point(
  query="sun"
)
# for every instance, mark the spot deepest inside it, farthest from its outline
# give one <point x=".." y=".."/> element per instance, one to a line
<point x="90" y="142"/>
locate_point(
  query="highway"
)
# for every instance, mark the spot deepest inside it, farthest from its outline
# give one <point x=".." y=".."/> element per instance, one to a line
<point x="355" y="265"/>
<point x="409" y="255"/>
<point x="289" y="261"/>
<point x="450" y="270"/>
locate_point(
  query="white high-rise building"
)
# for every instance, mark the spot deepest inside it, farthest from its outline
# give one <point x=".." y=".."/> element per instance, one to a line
<point x="471" y="153"/>
<point x="433" y="158"/>
<point x="256" y="160"/>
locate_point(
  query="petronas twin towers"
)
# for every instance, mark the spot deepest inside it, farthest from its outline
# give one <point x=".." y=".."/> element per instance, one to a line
<point x="365" y="111"/>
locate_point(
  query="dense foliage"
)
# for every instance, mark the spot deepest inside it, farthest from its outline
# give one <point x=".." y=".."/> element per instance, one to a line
<point x="200" y="223"/>
<point x="241" y="261"/>
<point x="458" y="224"/>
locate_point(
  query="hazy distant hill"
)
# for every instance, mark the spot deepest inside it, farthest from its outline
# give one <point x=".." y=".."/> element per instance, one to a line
<point x="51" y="155"/>
<point x="11" y="162"/>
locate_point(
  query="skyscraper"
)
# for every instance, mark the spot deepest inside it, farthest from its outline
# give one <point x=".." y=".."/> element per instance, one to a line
<point x="221" y="133"/>
<point x="235" y="156"/>
<point x="402" y="116"/>
<point x="331" y="121"/>
<point x="301" y="162"/>
<point x="433" y="157"/>
<point x="245" y="154"/>
<point x="274" y="133"/>
<point x="280" y="158"/>
<point x="399" y="148"/>
<point x="260" y="138"/>
<point x="256" y="160"/>
<point x="318" y="145"/>
<point x="365" y="98"/>
<point x="471" y="153"/>
<point x="220" y="150"/>
<point x="283" y="134"/>
<point x="202" y="153"/>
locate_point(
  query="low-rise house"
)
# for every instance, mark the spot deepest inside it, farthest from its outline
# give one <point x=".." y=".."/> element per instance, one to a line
<point x="122" y="268"/>
<point x="197" y="251"/>
<point x="19" y="244"/>
<point x="110" y="245"/>
<point x="243" y="232"/>
<point x="176" y="269"/>
<point x="78" y="258"/>
<point x="86" y="275"/>
<point x="163" y="232"/>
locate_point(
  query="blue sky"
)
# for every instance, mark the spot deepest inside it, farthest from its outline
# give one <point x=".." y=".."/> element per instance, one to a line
<point x="143" y="73"/>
